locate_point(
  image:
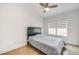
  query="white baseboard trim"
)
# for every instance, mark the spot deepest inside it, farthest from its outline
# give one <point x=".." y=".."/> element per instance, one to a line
<point x="75" y="45"/>
<point x="13" y="46"/>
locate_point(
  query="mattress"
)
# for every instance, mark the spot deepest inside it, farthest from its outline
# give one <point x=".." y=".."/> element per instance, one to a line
<point x="49" y="45"/>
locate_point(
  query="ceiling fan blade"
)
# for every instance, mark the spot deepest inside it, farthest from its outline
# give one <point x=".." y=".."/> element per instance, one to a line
<point x="42" y="4"/>
<point x="53" y="6"/>
<point x="46" y="4"/>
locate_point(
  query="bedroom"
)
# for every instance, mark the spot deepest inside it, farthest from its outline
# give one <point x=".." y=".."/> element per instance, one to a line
<point x="15" y="18"/>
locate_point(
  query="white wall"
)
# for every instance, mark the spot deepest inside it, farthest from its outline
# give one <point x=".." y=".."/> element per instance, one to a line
<point x="14" y="20"/>
<point x="73" y="18"/>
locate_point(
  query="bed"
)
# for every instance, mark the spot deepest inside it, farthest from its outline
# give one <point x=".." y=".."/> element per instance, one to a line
<point x="50" y="45"/>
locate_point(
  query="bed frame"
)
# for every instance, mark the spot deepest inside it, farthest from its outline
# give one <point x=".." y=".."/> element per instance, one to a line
<point x="31" y="31"/>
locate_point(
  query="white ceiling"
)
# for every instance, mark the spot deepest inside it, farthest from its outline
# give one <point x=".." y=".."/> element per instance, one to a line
<point x="62" y="7"/>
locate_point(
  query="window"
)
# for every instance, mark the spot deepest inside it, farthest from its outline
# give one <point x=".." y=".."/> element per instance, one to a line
<point x="62" y="31"/>
<point x="52" y="31"/>
<point x="58" y="28"/>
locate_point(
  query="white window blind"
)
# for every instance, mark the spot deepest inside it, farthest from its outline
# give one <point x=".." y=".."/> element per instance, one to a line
<point x="52" y="31"/>
<point x="59" y="28"/>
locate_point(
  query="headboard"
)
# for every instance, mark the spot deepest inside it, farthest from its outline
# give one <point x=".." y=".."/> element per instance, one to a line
<point x="33" y="31"/>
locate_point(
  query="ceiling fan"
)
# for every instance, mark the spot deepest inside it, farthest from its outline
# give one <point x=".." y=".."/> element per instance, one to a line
<point x="47" y="6"/>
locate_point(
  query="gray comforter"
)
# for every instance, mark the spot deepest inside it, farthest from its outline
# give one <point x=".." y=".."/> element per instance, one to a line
<point x="47" y="44"/>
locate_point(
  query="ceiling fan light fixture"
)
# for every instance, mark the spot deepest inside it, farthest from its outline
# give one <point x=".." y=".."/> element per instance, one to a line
<point x="47" y="9"/>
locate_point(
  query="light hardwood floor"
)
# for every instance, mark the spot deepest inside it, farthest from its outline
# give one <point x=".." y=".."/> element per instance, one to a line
<point x="25" y="50"/>
<point x="30" y="50"/>
<point x="71" y="50"/>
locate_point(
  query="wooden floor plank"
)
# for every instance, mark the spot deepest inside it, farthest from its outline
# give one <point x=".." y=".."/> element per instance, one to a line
<point x="25" y="50"/>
